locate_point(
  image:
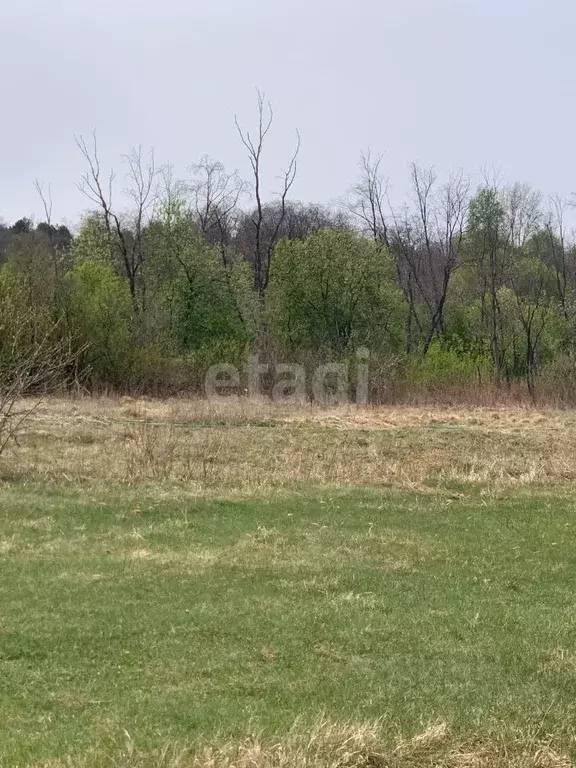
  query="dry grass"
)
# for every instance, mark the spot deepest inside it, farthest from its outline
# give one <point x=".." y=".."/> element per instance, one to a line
<point x="330" y="745"/>
<point x="247" y="447"/>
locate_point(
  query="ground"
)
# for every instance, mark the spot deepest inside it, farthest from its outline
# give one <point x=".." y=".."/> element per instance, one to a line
<point x="185" y="584"/>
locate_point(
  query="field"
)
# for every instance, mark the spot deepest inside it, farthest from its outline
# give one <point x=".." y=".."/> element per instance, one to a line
<point x="252" y="586"/>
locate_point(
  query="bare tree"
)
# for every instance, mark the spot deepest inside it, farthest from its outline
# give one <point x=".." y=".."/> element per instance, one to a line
<point x="46" y="199"/>
<point x="522" y="206"/>
<point x="367" y="201"/>
<point x="215" y="198"/>
<point x="125" y="234"/>
<point x="97" y="189"/>
<point x="450" y="216"/>
<point x="555" y="228"/>
<point x="533" y="300"/>
<point x="426" y="244"/>
<point x="58" y="238"/>
<point x="264" y="246"/>
<point x="29" y="371"/>
<point x="141" y="176"/>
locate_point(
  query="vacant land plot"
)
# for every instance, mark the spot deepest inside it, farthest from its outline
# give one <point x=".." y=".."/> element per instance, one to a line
<point x="264" y="586"/>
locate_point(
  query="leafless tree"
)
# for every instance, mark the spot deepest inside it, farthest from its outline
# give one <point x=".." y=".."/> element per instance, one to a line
<point x="46" y="200"/>
<point x="54" y="235"/>
<point x="141" y="177"/>
<point x="97" y="189"/>
<point x="125" y="234"/>
<point x="533" y="301"/>
<point x="426" y="244"/>
<point x="264" y="246"/>
<point x="522" y="206"/>
<point x="450" y="216"/>
<point x="559" y="259"/>
<point x="31" y="371"/>
<point x="367" y="201"/>
<point x="215" y="198"/>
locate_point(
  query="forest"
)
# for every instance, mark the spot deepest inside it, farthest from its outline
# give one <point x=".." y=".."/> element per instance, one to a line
<point x="460" y="292"/>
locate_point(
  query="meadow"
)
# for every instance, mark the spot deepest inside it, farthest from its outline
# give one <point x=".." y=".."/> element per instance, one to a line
<point x="248" y="585"/>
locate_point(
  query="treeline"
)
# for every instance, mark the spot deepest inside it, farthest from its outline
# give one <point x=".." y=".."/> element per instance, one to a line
<point x="460" y="292"/>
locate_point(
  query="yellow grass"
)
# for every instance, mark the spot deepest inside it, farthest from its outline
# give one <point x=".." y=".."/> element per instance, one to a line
<point x="331" y="745"/>
<point x="246" y="447"/>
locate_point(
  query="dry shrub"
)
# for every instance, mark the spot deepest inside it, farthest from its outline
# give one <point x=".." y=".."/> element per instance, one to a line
<point x="151" y="453"/>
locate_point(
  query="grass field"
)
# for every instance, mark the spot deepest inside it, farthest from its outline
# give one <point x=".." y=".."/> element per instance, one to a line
<point x="251" y="586"/>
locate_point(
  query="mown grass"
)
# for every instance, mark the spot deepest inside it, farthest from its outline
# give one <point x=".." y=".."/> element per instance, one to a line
<point x="138" y="617"/>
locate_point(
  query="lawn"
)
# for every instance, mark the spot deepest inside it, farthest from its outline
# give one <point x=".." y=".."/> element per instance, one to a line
<point x="146" y="617"/>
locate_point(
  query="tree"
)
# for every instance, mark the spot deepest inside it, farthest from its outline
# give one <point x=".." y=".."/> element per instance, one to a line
<point x="551" y="247"/>
<point x="500" y="223"/>
<point x="58" y="238"/>
<point x="265" y="242"/>
<point x="37" y="355"/>
<point x="334" y="291"/>
<point x="98" y="313"/>
<point x="294" y="220"/>
<point x="426" y="242"/>
<point x="487" y="252"/>
<point x="21" y="227"/>
<point x="215" y="195"/>
<point x="367" y="201"/>
<point x="205" y="298"/>
<point x="532" y="282"/>
<point x="125" y="234"/>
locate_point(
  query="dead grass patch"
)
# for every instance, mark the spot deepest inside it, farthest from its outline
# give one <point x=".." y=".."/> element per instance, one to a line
<point x="251" y="447"/>
<point x="330" y="745"/>
<point x="561" y="661"/>
<point x="178" y="559"/>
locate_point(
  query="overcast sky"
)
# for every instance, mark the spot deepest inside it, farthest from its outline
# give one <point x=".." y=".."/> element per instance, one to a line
<point x="453" y="83"/>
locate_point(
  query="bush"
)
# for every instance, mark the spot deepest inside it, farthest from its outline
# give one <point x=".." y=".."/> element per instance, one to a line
<point x="99" y="310"/>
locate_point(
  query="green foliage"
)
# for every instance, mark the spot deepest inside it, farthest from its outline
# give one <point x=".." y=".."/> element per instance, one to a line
<point x="207" y="302"/>
<point x="334" y="291"/>
<point x="92" y="243"/>
<point x="98" y="311"/>
<point x="486" y="218"/>
<point x="445" y="365"/>
<point x="26" y="315"/>
<point x="202" y="310"/>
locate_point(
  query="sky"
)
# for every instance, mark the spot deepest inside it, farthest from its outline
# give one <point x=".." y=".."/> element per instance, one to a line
<point x="455" y="84"/>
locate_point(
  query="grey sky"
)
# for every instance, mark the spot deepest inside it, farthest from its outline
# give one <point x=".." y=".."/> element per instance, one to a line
<point x="454" y="83"/>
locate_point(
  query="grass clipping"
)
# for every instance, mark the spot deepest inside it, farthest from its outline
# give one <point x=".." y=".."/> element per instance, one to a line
<point x="329" y="745"/>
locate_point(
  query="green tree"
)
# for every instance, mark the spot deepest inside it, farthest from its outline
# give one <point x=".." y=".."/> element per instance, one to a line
<point x="334" y="290"/>
<point x="92" y="243"/>
<point x="99" y="313"/>
<point x="207" y="301"/>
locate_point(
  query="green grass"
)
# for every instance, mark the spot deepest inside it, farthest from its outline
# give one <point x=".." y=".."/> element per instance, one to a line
<point x="175" y="621"/>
